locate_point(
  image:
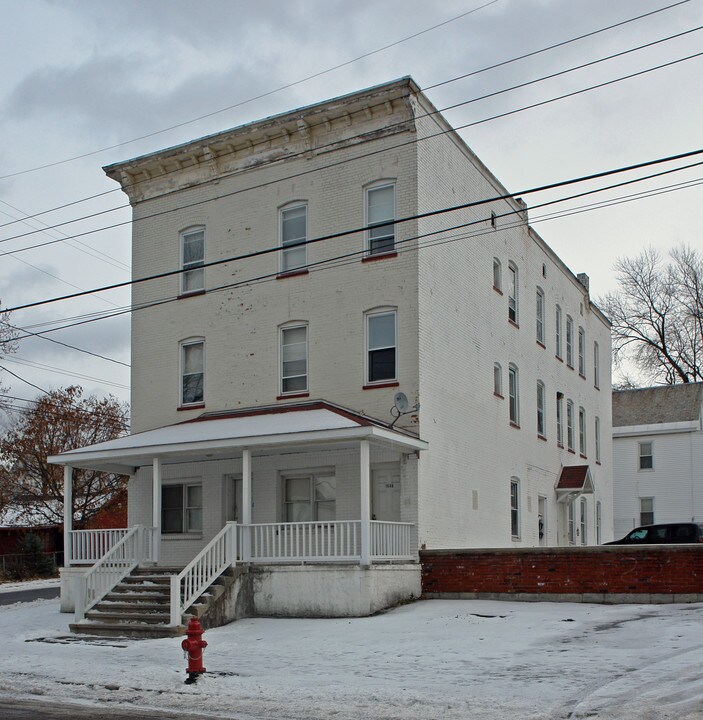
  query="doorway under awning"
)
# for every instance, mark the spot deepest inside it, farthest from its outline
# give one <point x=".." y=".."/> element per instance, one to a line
<point x="574" y="480"/>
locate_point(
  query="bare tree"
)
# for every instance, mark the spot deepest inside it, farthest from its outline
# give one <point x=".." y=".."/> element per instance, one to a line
<point x="657" y="315"/>
<point x="8" y="344"/>
<point x="59" y="421"/>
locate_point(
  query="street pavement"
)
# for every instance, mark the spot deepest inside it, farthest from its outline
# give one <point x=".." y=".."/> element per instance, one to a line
<point x="33" y="710"/>
<point x="10" y="598"/>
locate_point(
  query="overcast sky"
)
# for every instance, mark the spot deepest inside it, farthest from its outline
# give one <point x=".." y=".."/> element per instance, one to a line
<point x="79" y="76"/>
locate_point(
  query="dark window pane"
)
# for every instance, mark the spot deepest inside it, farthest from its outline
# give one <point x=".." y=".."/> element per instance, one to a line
<point x="382" y="365"/>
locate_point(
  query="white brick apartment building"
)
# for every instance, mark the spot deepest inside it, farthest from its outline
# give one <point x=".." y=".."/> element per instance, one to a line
<point x="469" y="313"/>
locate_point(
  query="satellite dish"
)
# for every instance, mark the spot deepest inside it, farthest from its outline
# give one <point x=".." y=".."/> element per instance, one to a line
<point x="400" y="400"/>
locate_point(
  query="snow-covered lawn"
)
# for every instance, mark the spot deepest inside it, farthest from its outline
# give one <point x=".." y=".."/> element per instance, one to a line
<point x="434" y="659"/>
<point x="11" y="586"/>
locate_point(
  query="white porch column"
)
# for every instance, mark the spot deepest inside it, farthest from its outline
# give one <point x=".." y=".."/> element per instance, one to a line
<point x="246" y="505"/>
<point x="156" y="508"/>
<point x="67" y="514"/>
<point x="365" y="483"/>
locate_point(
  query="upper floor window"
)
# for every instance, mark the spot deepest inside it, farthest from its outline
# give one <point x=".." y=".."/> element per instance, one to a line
<point x="541" y="419"/>
<point x="582" y="352"/>
<point x="497" y="379"/>
<point x="560" y="420"/>
<point x="192" y="372"/>
<point x="294" y="233"/>
<point x="569" y="341"/>
<point x="646" y="456"/>
<point x="512" y="293"/>
<point x="294" y="359"/>
<point x="497" y="275"/>
<point x="513" y="393"/>
<point x="381" y="346"/>
<point x="192" y="260"/>
<point x="540" y="315"/>
<point x="557" y="332"/>
<point x="570" y="425"/>
<point x="597" y="438"/>
<point x="582" y="431"/>
<point x="514" y="508"/>
<point x="380" y="214"/>
<point x="596" y="366"/>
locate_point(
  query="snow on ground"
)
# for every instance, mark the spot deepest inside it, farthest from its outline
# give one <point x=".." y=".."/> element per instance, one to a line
<point x="6" y="587"/>
<point x="450" y="659"/>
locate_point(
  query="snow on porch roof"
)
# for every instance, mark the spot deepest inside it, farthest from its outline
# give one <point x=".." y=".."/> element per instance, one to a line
<point x="216" y="435"/>
<point x="574" y="479"/>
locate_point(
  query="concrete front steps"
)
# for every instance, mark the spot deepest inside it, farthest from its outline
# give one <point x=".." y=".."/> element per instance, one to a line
<point x="138" y="606"/>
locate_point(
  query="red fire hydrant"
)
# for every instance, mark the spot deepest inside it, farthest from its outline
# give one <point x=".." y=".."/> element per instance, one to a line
<point x="193" y="647"/>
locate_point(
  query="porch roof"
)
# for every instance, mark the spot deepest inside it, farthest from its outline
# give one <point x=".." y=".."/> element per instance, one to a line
<point x="574" y="480"/>
<point x="217" y="435"/>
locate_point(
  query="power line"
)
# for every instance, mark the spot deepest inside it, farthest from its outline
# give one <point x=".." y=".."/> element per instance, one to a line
<point x="429" y="87"/>
<point x="364" y="228"/>
<point x="258" y="97"/>
<point x="400" y="124"/>
<point x="61" y="371"/>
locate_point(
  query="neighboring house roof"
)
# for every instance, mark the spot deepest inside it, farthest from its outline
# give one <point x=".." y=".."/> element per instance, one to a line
<point x="654" y="405"/>
<point x="216" y="435"/>
<point x="574" y="479"/>
<point x="17" y="515"/>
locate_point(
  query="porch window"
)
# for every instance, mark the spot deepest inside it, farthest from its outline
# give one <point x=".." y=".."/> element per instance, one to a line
<point x="381" y="346"/>
<point x="310" y="497"/>
<point x="182" y="508"/>
<point x="294" y="359"/>
<point x="192" y="372"/>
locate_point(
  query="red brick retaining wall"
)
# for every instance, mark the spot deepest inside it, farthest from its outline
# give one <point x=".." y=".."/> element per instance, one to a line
<point x="593" y="573"/>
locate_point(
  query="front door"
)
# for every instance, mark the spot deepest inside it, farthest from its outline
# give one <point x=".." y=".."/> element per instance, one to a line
<point x="233" y="499"/>
<point x="542" y="520"/>
<point x="385" y="492"/>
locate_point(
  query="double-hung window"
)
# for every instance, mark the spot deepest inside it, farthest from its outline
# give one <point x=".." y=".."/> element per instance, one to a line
<point x="540" y="315"/>
<point x="381" y="364"/>
<point x="182" y="508"/>
<point x="192" y="260"/>
<point x="380" y="217"/>
<point x="646" y="456"/>
<point x="294" y="233"/>
<point x="512" y="293"/>
<point x="294" y="359"/>
<point x="569" y="341"/>
<point x="597" y="438"/>
<point x="647" y="511"/>
<point x="584" y="522"/>
<point x="582" y="432"/>
<point x="571" y="524"/>
<point x="541" y="420"/>
<point x="557" y="333"/>
<point x="570" y="425"/>
<point x="497" y="380"/>
<point x="497" y="275"/>
<point x="513" y="394"/>
<point x="582" y="352"/>
<point x="310" y="497"/>
<point x="560" y="420"/>
<point x="514" y="508"/>
<point x="192" y="372"/>
<point x="596" y="366"/>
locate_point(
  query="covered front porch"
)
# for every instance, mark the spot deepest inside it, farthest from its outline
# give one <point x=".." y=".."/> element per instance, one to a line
<point x="298" y="485"/>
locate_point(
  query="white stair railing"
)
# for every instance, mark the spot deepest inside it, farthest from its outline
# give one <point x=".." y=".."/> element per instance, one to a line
<point x="199" y="574"/>
<point x="126" y="554"/>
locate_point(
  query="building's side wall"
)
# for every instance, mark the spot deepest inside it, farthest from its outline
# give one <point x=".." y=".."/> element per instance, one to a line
<point x="675" y="482"/>
<point x="464" y="487"/>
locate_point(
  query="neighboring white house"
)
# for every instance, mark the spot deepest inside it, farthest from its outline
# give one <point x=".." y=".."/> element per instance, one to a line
<point x="657" y="456"/>
<point x="263" y="390"/>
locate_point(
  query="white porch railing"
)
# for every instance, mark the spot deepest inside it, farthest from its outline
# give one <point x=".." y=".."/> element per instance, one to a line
<point x="391" y="541"/>
<point x="338" y="540"/>
<point x="88" y="546"/>
<point x="134" y="547"/>
<point x="198" y="575"/>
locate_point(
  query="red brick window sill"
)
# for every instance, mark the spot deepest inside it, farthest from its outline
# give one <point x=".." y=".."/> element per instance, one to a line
<point x="542" y="437"/>
<point x="195" y="293"/>
<point x="498" y="290"/>
<point x="197" y="406"/>
<point x="380" y="385"/>
<point x="291" y="396"/>
<point x="583" y="377"/>
<point x="513" y="323"/>
<point x="291" y="273"/>
<point x="514" y="425"/>
<point x="542" y="345"/>
<point x="583" y="457"/>
<point x="559" y="359"/>
<point x="573" y="452"/>
<point x="498" y="395"/>
<point x="379" y="256"/>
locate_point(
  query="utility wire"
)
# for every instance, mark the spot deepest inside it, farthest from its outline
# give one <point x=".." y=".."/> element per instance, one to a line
<point x="364" y="228"/>
<point x="61" y="371"/>
<point x="322" y="147"/>
<point x="429" y="87"/>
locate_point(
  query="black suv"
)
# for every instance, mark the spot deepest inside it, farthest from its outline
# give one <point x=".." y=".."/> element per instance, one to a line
<point x="667" y="533"/>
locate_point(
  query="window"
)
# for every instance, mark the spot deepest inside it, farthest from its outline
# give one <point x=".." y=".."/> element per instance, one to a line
<point x="570" y="425"/>
<point x="310" y="497"/>
<point x="571" y="523"/>
<point x="599" y="523"/>
<point x="514" y="508"/>
<point x="512" y="293"/>
<point x="647" y="511"/>
<point x="597" y="438"/>
<point x="582" y="432"/>
<point x="380" y="214"/>
<point x="192" y="372"/>
<point x="560" y="420"/>
<point x="584" y="521"/>
<point x="569" y="341"/>
<point x="540" y="316"/>
<point x="646" y="456"/>
<point x="596" y="366"/>
<point x="192" y="259"/>
<point x="497" y="379"/>
<point x="541" y="420"/>
<point x="294" y="231"/>
<point x="294" y="359"/>
<point x="381" y="346"/>
<point x="513" y="390"/>
<point x="557" y="333"/>
<point x="497" y="275"/>
<point x="182" y="508"/>
<point x="582" y="352"/>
